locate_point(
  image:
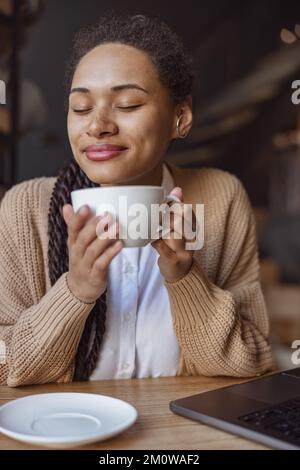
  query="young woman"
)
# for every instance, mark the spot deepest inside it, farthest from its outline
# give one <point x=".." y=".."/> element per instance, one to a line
<point x="76" y="307"/>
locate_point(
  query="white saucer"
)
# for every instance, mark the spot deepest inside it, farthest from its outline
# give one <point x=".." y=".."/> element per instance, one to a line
<point x="65" y="419"/>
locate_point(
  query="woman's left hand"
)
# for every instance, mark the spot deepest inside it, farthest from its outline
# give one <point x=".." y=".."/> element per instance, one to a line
<point x="174" y="261"/>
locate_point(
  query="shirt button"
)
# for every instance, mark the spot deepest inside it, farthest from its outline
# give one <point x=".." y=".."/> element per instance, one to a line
<point x="127" y="317"/>
<point x="128" y="268"/>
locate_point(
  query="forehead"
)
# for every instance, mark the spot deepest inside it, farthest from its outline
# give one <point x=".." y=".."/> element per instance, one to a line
<point x="112" y="63"/>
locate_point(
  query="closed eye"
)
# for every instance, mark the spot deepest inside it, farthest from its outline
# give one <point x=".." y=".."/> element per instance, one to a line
<point x="125" y="108"/>
<point x="81" y="111"/>
<point x="129" y="107"/>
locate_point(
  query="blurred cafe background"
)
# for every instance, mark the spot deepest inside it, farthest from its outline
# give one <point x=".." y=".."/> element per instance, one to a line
<point x="246" y="58"/>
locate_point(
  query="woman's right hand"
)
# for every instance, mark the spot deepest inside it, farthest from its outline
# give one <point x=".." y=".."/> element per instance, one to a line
<point x="89" y="254"/>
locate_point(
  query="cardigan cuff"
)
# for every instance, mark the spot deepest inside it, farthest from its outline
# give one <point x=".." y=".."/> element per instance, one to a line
<point x="195" y="299"/>
<point x="58" y="320"/>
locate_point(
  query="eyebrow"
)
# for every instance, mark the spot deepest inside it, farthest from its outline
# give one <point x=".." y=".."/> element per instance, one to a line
<point x="125" y="86"/>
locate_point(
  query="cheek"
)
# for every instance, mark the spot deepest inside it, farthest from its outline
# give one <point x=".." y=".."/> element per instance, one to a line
<point x="70" y="128"/>
<point x="74" y="129"/>
<point x="152" y="127"/>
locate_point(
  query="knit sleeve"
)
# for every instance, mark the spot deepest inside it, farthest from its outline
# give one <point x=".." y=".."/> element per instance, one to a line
<point x="222" y="327"/>
<point x="38" y="336"/>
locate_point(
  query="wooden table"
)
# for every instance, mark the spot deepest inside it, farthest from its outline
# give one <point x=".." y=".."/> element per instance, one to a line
<point x="156" y="427"/>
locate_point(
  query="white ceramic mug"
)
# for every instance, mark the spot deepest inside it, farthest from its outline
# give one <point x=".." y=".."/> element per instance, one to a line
<point x="135" y="208"/>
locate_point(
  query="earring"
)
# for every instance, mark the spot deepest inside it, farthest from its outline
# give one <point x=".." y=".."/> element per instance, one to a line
<point x="181" y="136"/>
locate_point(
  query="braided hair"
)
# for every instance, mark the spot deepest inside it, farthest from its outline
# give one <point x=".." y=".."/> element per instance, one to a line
<point x="173" y="65"/>
<point x="70" y="178"/>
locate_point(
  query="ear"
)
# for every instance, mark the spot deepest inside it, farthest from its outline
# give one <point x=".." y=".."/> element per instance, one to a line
<point x="185" y="109"/>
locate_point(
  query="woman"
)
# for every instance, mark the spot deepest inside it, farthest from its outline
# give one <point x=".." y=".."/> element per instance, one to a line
<point x="77" y="307"/>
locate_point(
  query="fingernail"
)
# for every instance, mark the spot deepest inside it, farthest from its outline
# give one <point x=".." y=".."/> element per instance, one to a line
<point x="83" y="210"/>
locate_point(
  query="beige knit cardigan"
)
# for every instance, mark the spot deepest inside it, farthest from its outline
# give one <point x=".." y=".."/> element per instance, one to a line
<point x="218" y="309"/>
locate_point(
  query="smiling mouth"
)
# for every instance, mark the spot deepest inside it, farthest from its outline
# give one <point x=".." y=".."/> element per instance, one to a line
<point x="98" y="155"/>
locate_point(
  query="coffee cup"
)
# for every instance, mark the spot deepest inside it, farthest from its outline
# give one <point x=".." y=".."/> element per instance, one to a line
<point x="136" y="208"/>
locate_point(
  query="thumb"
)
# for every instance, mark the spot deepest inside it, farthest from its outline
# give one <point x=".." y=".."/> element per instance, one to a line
<point x="67" y="212"/>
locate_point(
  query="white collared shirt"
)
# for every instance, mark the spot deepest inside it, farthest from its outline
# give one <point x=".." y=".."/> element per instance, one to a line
<point x="139" y="340"/>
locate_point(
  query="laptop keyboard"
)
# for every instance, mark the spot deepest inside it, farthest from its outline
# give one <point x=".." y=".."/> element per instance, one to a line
<point x="281" y="421"/>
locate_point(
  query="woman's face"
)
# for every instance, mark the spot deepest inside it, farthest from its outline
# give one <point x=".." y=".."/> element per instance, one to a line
<point x="117" y="98"/>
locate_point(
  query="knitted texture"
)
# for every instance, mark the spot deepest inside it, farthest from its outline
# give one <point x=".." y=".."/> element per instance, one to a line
<point x="218" y="310"/>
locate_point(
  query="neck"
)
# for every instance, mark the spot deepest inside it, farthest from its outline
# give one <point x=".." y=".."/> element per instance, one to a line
<point x="151" y="178"/>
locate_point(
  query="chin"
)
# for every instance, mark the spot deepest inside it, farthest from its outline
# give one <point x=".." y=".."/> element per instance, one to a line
<point x="106" y="172"/>
<point x="110" y="172"/>
<point x="103" y="177"/>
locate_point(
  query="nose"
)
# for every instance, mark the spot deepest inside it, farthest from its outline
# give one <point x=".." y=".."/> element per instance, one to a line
<point x="101" y="124"/>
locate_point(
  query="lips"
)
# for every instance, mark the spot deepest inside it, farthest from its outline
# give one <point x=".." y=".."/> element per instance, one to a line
<point x="103" y="152"/>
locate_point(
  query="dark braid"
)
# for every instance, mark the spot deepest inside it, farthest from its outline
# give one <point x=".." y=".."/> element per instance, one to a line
<point x="70" y="178"/>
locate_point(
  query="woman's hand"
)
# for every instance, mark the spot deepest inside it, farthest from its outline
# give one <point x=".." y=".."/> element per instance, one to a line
<point x="175" y="261"/>
<point x="90" y="255"/>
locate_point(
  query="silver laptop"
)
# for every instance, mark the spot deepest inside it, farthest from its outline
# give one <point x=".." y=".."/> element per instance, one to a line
<point x="266" y="410"/>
